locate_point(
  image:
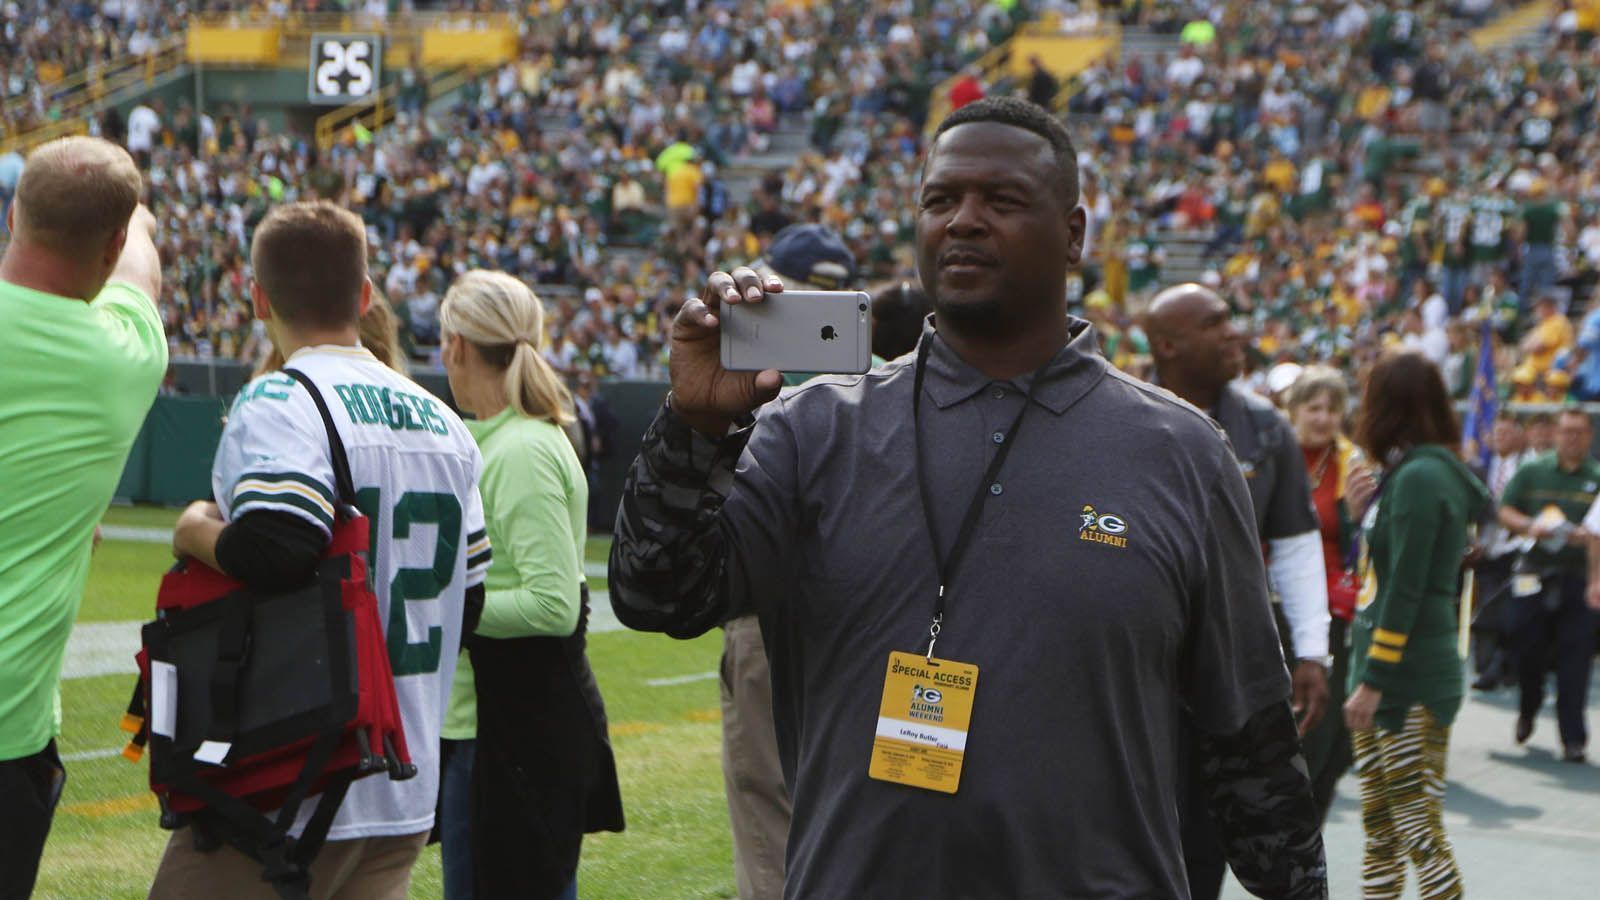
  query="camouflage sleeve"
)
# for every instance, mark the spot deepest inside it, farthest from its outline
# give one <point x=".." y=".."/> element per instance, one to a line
<point x="1259" y="796"/>
<point x="670" y="555"/>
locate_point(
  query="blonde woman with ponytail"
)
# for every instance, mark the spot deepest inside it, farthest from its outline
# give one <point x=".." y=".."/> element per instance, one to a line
<point x="528" y="768"/>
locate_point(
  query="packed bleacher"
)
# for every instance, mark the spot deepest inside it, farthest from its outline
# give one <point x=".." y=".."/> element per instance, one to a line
<point x="1348" y="174"/>
<point x="589" y="166"/>
<point x="1353" y="175"/>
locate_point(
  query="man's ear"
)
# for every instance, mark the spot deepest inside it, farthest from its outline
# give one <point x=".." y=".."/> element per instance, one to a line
<point x="113" y="249"/>
<point x="366" y="294"/>
<point x="1077" y="231"/>
<point x="258" y="300"/>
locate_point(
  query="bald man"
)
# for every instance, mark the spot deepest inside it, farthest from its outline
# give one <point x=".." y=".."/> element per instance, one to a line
<point x="83" y="353"/>
<point x="1198" y="353"/>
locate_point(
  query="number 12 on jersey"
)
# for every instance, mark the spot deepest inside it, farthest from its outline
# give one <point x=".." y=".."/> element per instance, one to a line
<point x="419" y="584"/>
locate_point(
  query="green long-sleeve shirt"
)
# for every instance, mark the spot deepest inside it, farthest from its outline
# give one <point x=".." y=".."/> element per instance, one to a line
<point x="1404" y="639"/>
<point x="535" y="504"/>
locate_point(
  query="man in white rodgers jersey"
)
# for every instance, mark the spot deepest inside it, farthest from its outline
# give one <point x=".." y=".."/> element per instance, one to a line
<point x="415" y="472"/>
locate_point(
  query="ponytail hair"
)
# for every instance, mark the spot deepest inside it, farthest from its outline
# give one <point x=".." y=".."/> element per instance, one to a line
<point x="504" y="320"/>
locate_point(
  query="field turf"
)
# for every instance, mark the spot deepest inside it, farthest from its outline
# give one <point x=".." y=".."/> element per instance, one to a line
<point x="105" y="842"/>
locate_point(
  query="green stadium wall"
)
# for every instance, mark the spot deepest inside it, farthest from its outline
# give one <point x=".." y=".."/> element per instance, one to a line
<point x="170" y="463"/>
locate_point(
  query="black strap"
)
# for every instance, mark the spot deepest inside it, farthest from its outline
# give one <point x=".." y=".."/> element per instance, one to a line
<point x="233" y="647"/>
<point x="316" y="830"/>
<point x="286" y="860"/>
<point x="948" y="564"/>
<point x="343" y="483"/>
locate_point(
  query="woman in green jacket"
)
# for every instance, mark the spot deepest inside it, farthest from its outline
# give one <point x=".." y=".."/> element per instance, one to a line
<point x="1405" y="670"/>
<point x="526" y="726"/>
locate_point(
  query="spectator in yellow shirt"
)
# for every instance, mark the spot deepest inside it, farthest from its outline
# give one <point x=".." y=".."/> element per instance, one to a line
<point x="1552" y="334"/>
<point x="683" y="194"/>
<point x="1279" y="173"/>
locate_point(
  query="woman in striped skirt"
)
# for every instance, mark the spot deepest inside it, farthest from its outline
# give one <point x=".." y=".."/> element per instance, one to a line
<point x="1405" y="670"/>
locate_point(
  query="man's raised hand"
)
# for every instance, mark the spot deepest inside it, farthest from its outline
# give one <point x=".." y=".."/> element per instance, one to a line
<point x="705" y="394"/>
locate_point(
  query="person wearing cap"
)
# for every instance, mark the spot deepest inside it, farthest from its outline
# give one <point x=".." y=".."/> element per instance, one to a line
<point x="1198" y="353"/>
<point x="806" y="257"/>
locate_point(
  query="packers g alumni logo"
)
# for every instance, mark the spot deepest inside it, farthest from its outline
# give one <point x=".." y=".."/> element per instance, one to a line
<point x="1102" y="529"/>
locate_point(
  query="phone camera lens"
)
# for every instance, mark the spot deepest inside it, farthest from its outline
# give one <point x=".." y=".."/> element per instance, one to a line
<point x="862" y="307"/>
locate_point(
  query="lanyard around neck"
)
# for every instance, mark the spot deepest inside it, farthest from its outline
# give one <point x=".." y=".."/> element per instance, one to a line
<point x="947" y="564"/>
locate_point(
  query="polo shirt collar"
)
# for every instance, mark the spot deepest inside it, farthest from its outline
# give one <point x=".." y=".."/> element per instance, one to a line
<point x="1074" y="371"/>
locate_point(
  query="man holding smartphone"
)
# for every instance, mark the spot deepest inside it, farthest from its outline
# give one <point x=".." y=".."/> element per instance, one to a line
<point x="980" y="654"/>
<point x="803" y="257"/>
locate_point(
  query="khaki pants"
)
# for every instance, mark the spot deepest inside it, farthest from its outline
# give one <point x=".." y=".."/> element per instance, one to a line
<point x="377" y="868"/>
<point x="758" y="802"/>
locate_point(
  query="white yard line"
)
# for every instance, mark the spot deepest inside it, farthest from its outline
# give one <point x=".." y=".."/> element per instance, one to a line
<point x="680" y="679"/>
<point x="107" y="648"/>
<point x="91" y="754"/>
<point x="142" y="535"/>
<point x="101" y="648"/>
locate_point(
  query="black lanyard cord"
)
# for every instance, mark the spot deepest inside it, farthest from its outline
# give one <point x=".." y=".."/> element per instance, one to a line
<point x="947" y="565"/>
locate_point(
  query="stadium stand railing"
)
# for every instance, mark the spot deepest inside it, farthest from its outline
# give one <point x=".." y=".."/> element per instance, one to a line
<point x="1065" y="53"/>
<point x="77" y="98"/>
<point x="429" y="39"/>
<point x="1514" y="24"/>
<point x="370" y="115"/>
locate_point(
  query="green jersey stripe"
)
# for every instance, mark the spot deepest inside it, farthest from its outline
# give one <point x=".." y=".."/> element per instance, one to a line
<point x="256" y="499"/>
<point x="289" y="477"/>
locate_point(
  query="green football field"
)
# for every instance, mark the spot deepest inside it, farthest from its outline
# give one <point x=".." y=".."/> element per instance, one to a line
<point x="661" y="697"/>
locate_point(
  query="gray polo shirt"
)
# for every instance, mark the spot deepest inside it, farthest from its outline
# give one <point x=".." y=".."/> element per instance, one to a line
<point x="1269" y="456"/>
<point x="1115" y="578"/>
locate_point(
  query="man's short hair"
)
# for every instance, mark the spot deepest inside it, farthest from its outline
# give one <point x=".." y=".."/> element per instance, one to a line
<point x="1577" y="411"/>
<point x="1028" y="116"/>
<point x="75" y="193"/>
<point x="310" y="259"/>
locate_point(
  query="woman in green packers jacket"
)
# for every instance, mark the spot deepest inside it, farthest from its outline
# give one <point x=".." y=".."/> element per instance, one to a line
<point x="1405" y="670"/>
<point x="528" y="768"/>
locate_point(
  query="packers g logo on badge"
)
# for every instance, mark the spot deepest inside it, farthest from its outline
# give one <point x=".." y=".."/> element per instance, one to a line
<point x="1100" y="528"/>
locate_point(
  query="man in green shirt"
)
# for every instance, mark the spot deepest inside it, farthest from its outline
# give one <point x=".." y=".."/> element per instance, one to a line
<point x="1546" y="500"/>
<point x="1541" y="221"/>
<point x="83" y="353"/>
<point x="1454" y="214"/>
<point x="1144" y="259"/>
<point x="1489" y="214"/>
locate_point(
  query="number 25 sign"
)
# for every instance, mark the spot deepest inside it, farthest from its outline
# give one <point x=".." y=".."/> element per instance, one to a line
<point x="344" y="67"/>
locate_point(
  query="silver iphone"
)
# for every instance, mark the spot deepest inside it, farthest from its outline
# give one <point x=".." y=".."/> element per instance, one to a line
<point x="799" y="331"/>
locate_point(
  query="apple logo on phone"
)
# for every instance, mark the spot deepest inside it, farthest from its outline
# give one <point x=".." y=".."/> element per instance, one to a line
<point x="829" y="334"/>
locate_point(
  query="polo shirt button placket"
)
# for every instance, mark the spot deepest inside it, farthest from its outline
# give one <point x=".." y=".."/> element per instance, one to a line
<point x="998" y="393"/>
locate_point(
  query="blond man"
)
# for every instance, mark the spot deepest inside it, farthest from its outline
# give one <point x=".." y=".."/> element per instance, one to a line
<point x="81" y="354"/>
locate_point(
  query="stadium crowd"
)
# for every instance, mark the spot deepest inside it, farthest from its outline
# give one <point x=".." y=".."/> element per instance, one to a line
<point x="1357" y="172"/>
<point x="610" y="129"/>
<point x="1355" y="175"/>
<point x="1360" y="176"/>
